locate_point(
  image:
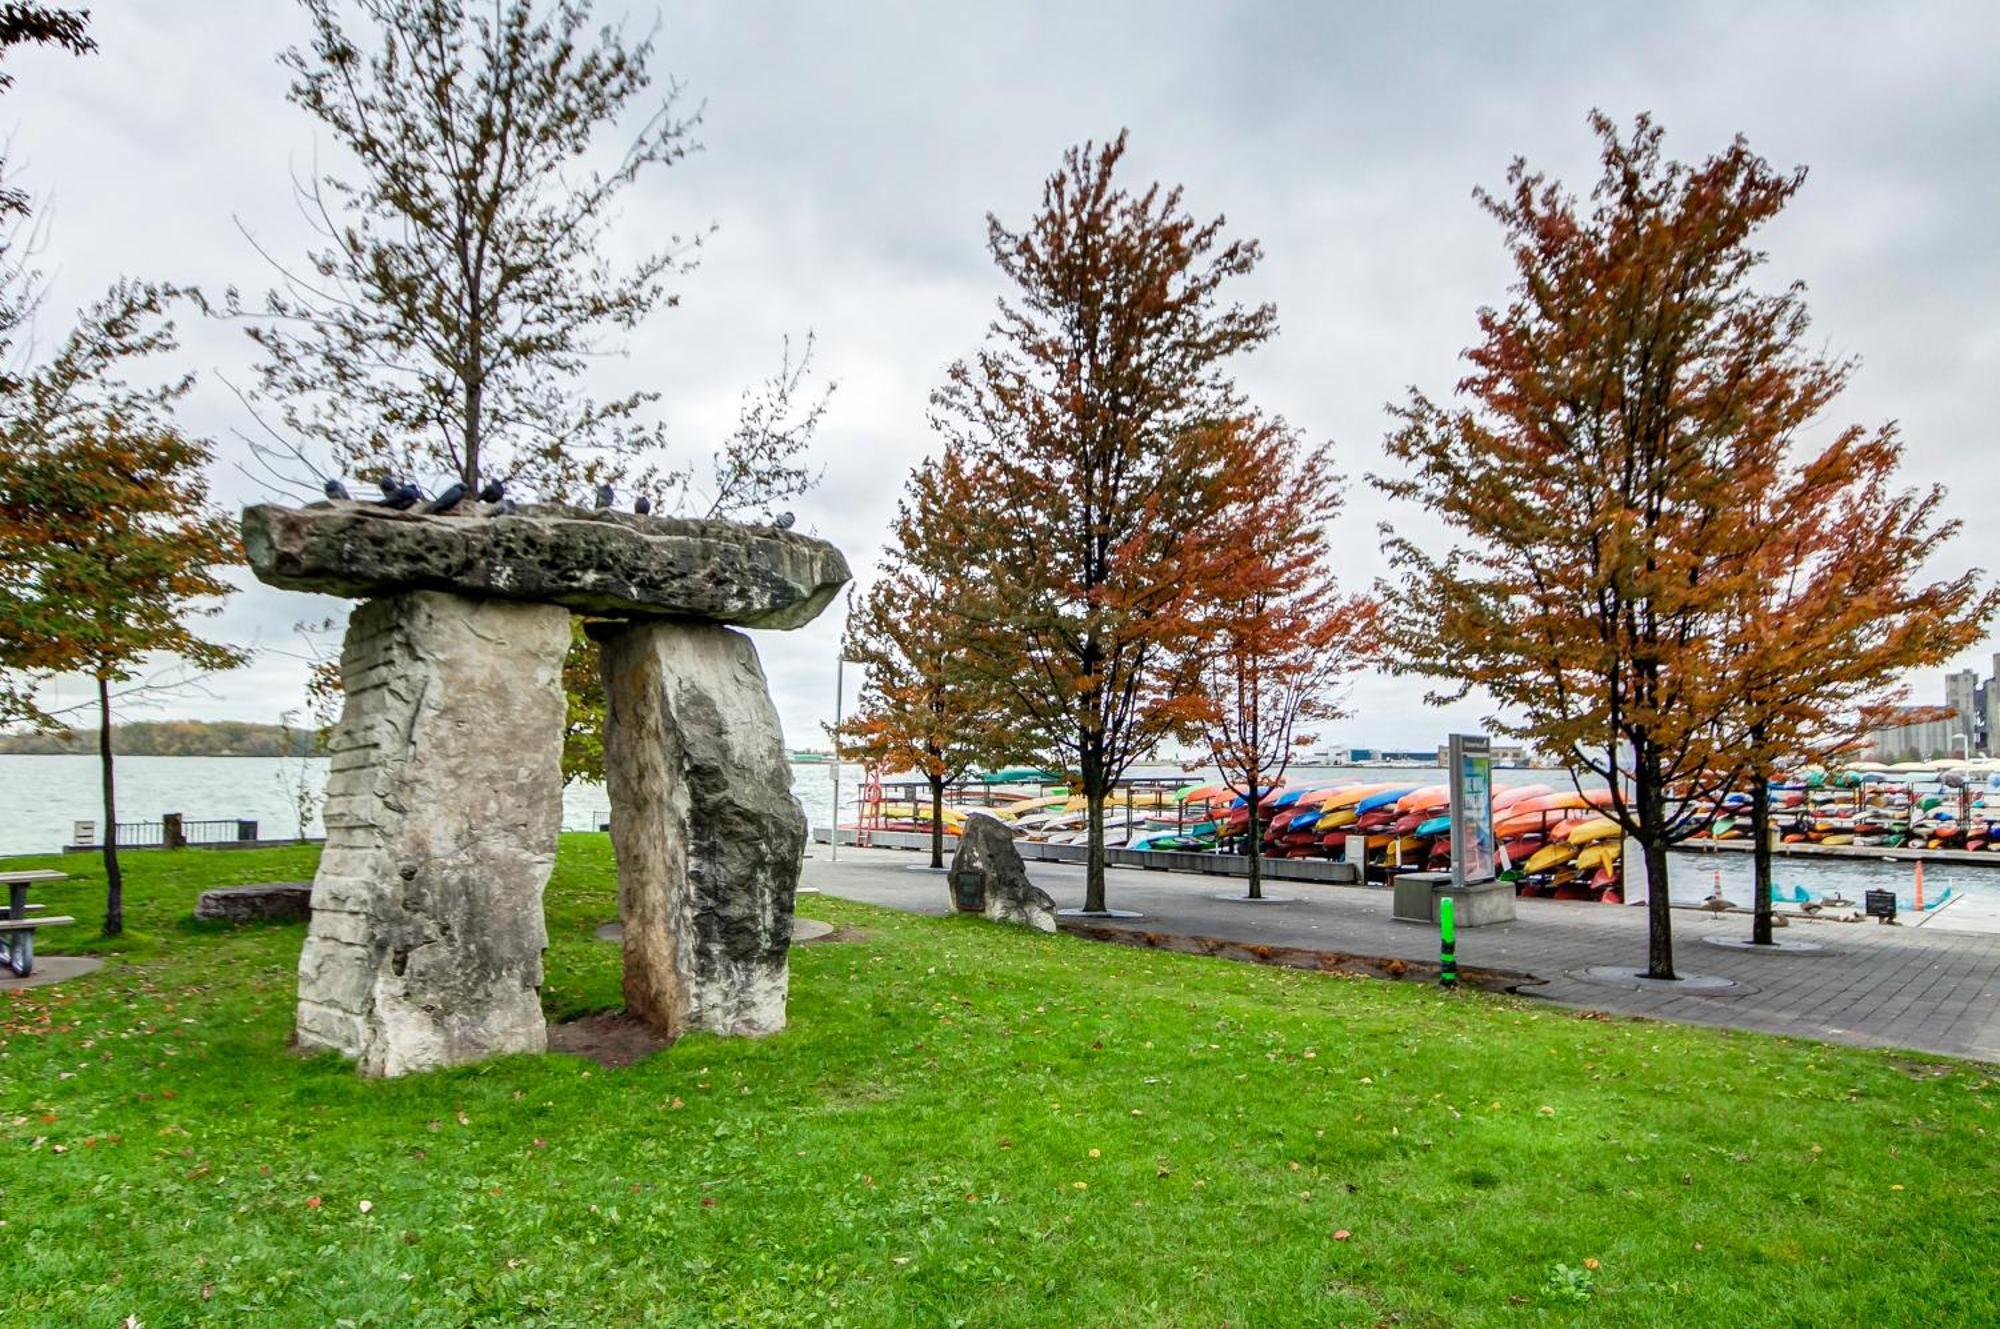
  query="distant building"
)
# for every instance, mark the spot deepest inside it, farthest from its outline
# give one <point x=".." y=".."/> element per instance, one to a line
<point x="1504" y="754"/>
<point x="1968" y="723"/>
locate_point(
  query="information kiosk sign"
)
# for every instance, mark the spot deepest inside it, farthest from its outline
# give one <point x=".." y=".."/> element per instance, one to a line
<point x="1471" y="777"/>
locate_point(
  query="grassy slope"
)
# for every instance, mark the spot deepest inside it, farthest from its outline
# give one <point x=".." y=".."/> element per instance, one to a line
<point x="963" y="1125"/>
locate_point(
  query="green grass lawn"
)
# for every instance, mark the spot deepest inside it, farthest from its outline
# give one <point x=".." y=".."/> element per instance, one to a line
<point x="963" y="1126"/>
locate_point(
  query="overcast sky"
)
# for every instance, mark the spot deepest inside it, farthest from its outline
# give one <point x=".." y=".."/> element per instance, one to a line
<point x="851" y="152"/>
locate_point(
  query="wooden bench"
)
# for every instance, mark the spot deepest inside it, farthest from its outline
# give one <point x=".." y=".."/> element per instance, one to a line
<point x="17" y="930"/>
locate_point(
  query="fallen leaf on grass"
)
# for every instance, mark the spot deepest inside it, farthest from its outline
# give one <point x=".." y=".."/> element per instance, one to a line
<point x="1341" y="1234"/>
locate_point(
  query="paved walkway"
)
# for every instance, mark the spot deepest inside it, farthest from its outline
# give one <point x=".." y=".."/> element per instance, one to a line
<point x="1874" y="986"/>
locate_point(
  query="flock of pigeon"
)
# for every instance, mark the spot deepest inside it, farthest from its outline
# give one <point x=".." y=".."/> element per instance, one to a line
<point x="402" y="495"/>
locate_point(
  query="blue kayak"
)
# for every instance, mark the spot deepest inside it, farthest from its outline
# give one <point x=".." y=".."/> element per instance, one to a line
<point x="1384" y="799"/>
<point x="1435" y="826"/>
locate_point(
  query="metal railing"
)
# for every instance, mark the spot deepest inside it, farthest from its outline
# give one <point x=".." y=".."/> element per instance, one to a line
<point x="172" y="831"/>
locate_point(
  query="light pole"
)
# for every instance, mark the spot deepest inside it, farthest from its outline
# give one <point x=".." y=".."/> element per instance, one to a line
<point x="839" y="700"/>
<point x="839" y="707"/>
<point x="1967" y="740"/>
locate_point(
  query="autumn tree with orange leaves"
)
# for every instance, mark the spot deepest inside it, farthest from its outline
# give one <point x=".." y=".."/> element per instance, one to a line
<point x="1627" y="437"/>
<point x="1284" y="635"/>
<point x="1105" y="468"/>
<point x="106" y="530"/>
<point x="1836" y="612"/>
<point x="924" y="706"/>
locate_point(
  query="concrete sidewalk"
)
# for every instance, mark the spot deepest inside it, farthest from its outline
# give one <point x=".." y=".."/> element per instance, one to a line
<point x="1873" y="986"/>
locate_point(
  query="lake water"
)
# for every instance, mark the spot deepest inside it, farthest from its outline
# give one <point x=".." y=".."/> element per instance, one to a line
<point x="40" y="798"/>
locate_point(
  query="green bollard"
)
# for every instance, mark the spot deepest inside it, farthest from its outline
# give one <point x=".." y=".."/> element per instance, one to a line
<point x="1447" y="946"/>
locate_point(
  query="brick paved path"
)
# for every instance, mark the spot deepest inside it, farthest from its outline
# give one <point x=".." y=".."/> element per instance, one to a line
<point x="1927" y="989"/>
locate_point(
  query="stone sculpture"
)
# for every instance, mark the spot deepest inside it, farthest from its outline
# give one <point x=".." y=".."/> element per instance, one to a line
<point x="444" y="799"/>
<point x="987" y="877"/>
<point x="271" y="902"/>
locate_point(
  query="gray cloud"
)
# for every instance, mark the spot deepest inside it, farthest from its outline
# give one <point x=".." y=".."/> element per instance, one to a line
<point x="852" y="152"/>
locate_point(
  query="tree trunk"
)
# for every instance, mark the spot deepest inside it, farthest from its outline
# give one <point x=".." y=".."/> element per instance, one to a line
<point x="1094" y="792"/>
<point x="1653" y="840"/>
<point x="114" y="880"/>
<point x="1760" y="857"/>
<point x="1255" y="849"/>
<point x="937" y="821"/>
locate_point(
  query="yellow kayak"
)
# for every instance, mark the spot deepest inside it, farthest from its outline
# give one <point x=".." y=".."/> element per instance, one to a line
<point x="1549" y="856"/>
<point x="1333" y="821"/>
<point x="1598" y="856"/>
<point x="1028" y="805"/>
<point x="1601" y="828"/>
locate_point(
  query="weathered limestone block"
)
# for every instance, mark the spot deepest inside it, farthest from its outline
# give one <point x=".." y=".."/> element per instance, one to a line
<point x="271" y="902"/>
<point x="616" y="564"/>
<point x="707" y="833"/>
<point x="443" y="804"/>
<point x="987" y="877"/>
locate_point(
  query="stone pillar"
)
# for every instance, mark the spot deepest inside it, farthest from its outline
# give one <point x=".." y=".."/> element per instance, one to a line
<point x="442" y="810"/>
<point x="707" y="832"/>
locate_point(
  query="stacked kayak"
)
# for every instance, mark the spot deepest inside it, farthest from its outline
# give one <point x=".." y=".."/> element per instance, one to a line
<point x="1549" y="842"/>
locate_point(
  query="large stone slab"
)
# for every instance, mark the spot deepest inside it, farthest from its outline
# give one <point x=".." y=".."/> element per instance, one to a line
<point x="707" y="833"/>
<point x="988" y="877"/>
<point x="615" y="564"/>
<point x="270" y="902"/>
<point x="443" y="804"/>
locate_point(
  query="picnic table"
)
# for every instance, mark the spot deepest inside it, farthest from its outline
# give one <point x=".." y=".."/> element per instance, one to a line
<point x="17" y="930"/>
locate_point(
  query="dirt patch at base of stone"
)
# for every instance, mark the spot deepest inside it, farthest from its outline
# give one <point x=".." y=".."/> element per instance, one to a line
<point x="1301" y="957"/>
<point x="803" y="930"/>
<point x="1924" y="1070"/>
<point x="609" y="1038"/>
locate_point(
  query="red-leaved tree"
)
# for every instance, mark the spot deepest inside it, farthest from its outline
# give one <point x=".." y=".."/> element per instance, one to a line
<point x="1284" y="634"/>
<point x="924" y="706"/>
<point x="1106" y="467"/>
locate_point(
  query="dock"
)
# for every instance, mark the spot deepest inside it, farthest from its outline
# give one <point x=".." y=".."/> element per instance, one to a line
<point x="1861" y="852"/>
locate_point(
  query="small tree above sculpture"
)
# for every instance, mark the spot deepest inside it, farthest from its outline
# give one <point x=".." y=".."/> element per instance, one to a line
<point x="463" y="287"/>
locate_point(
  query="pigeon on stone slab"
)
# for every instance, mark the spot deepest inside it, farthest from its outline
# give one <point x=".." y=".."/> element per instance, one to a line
<point x="606" y="496"/>
<point x="448" y="500"/>
<point x="644" y="507"/>
<point x="335" y="490"/>
<point x="783" y="521"/>
<point x="494" y="491"/>
<point x="400" y="495"/>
